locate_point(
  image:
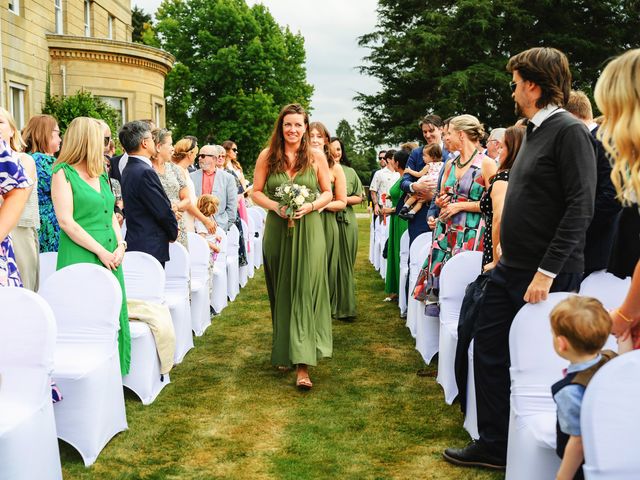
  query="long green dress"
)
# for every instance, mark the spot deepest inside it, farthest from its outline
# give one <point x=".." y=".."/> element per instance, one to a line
<point x="397" y="226"/>
<point x="93" y="211"/>
<point x="295" y="267"/>
<point x="330" y="226"/>
<point x="348" y="249"/>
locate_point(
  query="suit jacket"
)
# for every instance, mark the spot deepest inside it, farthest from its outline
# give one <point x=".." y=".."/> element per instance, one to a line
<point x="224" y="188"/>
<point x="151" y="224"/>
<point x="114" y="171"/>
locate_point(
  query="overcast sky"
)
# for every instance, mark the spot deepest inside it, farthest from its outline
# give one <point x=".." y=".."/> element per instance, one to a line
<point x="330" y="29"/>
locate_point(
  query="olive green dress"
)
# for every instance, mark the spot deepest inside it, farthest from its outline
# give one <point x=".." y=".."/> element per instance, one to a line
<point x="397" y="226"/>
<point x="330" y="226"/>
<point x="295" y="268"/>
<point x="347" y="249"/>
<point x="93" y="211"/>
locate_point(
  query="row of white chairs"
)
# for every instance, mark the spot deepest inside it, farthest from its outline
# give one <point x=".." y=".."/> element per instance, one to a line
<point x="82" y="302"/>
<point x="534" y="368"/>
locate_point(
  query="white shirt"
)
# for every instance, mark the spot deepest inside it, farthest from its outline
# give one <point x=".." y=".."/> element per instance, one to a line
<point x="544" y="113"/>
<point x="124" y="159"/>
<point x="382" y="182"/>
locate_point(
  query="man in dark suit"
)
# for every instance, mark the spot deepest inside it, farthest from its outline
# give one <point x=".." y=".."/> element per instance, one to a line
<point x="151" y="224"/>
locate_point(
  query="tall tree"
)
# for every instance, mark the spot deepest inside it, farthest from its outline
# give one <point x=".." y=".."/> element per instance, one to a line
<point x="449" y="57"/>
<point x="139" y="18"/>
<point x="236" y="67"/>
<point x="362" y="157"/>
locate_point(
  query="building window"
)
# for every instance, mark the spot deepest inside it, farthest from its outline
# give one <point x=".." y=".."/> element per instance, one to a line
<point x="110" y="27"/>
<point x="87" y="18"/>
<point x="157" y="114"/>
<point x="16" y="102"/>
<point x="59" y="24"/>
<point x="119" y="105"/>
<point x="14" y="6"/>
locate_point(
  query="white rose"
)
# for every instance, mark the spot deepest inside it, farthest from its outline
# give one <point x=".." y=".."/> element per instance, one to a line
<point x="299" y="200"/>
<point x="305" y="191"/>
<point x="287" y="188"/>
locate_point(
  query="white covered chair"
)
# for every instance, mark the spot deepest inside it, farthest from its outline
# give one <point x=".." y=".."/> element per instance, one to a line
<point x="372" y="238"/>
<point x="416" y="259"/>
<point x="383" y="240"/>
<point x="404" y="273"/>
<point x="199" y="255"/>
<point x="258" y="228"/>
<point x="457" y="273"/>
<point x="606" y="287"/>
<point x="427" y="328"/>
<point x="48" y="264"/>
<point x="252" y="241"/>
<point x="471" y="415"/>
<point x="609" y="421"/>
<point x="245" y="269"/>
<point x="535" y="367"/>
<point x="28" y="442"/>
<point x="144" y="279"/>
<point x="86" y="300"/>
<point x="219" y="284"/>
<point x="376" y="243"/>
<point x="176" y="297"/>
<point x="233" y="267"/>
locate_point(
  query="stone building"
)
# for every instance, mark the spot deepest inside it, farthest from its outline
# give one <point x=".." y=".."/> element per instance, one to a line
<point x="78" y="44"/>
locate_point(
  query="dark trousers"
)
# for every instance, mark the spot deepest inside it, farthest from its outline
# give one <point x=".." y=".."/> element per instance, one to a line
<point x="503" y="298"/>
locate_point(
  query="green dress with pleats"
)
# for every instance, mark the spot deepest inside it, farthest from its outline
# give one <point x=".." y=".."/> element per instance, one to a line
<point x="397" y="226"/>
<point x="330" y="226"/>
<point x="93" y="211"/>
<point x="295" y="267"/>
<point x="347" y="249"/>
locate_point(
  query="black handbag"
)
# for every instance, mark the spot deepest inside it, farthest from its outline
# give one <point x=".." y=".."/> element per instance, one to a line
<point x="385" y="249"/>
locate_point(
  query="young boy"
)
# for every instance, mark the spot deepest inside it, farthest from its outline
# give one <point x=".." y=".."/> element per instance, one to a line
<point x="432" y="157"/>
<point x="580" y="328"/>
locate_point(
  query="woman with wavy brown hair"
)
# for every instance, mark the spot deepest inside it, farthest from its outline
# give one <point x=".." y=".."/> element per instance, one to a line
<point x="295" y="261"/>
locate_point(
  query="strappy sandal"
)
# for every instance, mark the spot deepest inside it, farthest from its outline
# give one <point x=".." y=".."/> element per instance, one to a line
<point x="304" y="383"/>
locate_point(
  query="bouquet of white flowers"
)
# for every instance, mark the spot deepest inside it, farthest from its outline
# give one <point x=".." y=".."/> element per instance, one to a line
<point x="293" y="196"/>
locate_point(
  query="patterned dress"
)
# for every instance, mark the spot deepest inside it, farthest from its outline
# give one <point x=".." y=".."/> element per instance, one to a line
<point x="486" y="207"/>
<point x="49" y="233"/>
<point x="173" y="181"/>
<point x="11" y="176"/>
<point x="461" y="232"/>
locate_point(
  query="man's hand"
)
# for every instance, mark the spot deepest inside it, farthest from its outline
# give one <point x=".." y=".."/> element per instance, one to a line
<point x="376" y="209"/>
<point x="424" y="187"/>
<point x="538" y="289"/>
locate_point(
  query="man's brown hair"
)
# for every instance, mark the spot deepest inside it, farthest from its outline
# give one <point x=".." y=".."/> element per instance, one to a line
<point x="583" y="321"/>
<point x="549" y="69"/>
<point x="579" y="105"/>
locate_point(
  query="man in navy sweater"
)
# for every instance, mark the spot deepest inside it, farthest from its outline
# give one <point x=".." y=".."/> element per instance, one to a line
<point x="547" y="210"/>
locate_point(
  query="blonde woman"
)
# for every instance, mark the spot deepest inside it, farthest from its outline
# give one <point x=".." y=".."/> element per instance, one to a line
<point x="617" y="95"/>
<point x="25" y="234"/>
<point x="83" y="203"/>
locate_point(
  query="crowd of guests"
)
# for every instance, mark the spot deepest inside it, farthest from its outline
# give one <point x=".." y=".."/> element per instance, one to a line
<point x="548" y="200"/>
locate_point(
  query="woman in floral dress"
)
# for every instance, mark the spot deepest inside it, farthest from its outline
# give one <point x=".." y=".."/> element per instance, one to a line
<point x="459" y="227"/>
<point x="42" y="139"/>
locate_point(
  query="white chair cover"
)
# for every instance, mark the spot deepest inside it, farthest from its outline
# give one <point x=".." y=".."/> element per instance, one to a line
<point x="606" y="287"/>
<point x="416" y="259"/>
<point x="86" y="300"/>
<point x="219" y="284"/>
<point x="376" y="243"/>
<point x="144" y="279"/>
<point x="245" y="269"/>
<point x="372" y="238"/>
<point x="384" y="235"/>
<point x="176" y="297"/>
<point x="404" y="273"/>
<point x="199" y="255"/>
<point x="48" y="263"/>
<point x="258" y="229"/>
<point x="427" y="328"/>
<point x="28" y="442"/>
<point x="233" y="267"/>
<point x="609" y="420"/>
<point x="471" y="415"/>
<point x="457" y="273"/>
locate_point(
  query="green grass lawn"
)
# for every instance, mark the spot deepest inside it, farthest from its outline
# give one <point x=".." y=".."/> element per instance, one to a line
<point x="228" y="414"/>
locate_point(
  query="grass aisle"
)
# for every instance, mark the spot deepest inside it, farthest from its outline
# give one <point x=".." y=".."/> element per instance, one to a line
<point x="228" y="414"/>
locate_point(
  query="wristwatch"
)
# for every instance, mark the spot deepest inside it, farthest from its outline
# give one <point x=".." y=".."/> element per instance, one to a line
<point x="123" y="243"/>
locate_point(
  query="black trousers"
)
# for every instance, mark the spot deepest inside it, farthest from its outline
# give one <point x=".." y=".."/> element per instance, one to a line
<point x="503" y="298"/>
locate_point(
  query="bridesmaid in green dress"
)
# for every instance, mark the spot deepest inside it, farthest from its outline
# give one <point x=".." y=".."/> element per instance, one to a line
<point x="295" y="263"/>
<point x="397" y="226"/>
<point x="348" y="233"/>
<point x="320" y="139"/>
<point x="83" y="202"/>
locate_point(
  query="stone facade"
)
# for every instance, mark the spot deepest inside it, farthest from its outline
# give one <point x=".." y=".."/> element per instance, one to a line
<point x="79" y="44"/>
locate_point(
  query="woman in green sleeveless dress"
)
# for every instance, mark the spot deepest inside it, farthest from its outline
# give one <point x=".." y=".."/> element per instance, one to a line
<point x="348" y="233"/>
<point x="83" y="202"/>
<point x="320" y="139"/>
<point x="295" y="261"/>
<point x="397" y="226"/>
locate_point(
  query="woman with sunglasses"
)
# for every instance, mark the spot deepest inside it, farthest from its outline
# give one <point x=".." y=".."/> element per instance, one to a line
<point x="232" y="166"/>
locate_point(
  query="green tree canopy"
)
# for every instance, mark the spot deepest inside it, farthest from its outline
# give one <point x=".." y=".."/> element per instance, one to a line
<point x="81" y="104"/>
<point x="139" y="21"/>
<point x="449" y="57"/>
<point x="362" y="157"/>
<point x="236" y="68"/>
